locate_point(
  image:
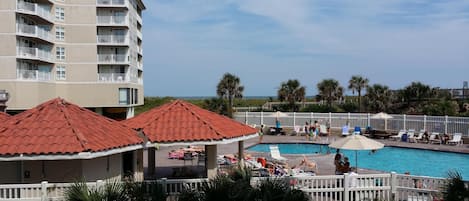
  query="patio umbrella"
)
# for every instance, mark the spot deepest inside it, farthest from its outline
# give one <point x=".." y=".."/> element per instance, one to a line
<point x="384" y="116"/>
<point x="278" y="114"/>
<point x="356" y="142"/>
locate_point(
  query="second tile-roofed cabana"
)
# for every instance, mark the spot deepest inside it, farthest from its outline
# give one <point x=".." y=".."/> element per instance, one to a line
<point x="182" y="123"/>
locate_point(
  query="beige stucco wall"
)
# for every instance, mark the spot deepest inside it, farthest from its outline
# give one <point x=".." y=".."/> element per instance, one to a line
<point x="84" y="94"/>
<point x="7" y="68"/>
<point x="6" y="18"/>
<point x="8" y="46"/>
<point x="80" y="13"/>
<point x="85" y="34"/>
<point x="7" y="5"/>
<point x="96" y="169"/>
<point x="82" y="72"/>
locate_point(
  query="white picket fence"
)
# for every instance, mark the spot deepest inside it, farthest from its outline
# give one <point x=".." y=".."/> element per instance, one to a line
<point x="441" y="124"/>
<point x="346" y="187"/>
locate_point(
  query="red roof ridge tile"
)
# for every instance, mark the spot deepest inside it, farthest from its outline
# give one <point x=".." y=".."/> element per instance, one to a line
<point x="80" y="137"/>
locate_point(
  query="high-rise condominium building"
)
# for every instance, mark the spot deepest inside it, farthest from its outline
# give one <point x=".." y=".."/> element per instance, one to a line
<point x="88" y="52"/>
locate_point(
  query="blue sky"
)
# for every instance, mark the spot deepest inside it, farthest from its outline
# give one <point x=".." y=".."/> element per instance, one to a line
<point x="190" y="44"/>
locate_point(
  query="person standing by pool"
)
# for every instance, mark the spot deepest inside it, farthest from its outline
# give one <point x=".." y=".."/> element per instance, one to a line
<point x="338" y="162"/>
<point x="261" y="133"/>
<point x="307" y="129"/>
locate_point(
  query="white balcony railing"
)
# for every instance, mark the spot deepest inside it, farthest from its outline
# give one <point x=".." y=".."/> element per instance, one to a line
<point x="34" y="53"/>
<point x="112" y="20"/>
<point x="111" y="3"/>
<point x="112" y="39"/>
<point x="35" y="9"/>
<point x="34" y="31"/>
<point x="112" y="58"/>
<point x="113" y="77"/>
<point x="23" y="74"/>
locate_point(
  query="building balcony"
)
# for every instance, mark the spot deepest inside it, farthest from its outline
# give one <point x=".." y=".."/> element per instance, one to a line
<point x="34" y="9"/>
<point x="113" y="40"/>
<point x="33" y="31"/>
<point x="113" y="59"/>
<point x="110" y="20"/>
<point x="111" y="3"/>
<point x="34" y="53"/>
<point x="113" y="77"/>
<point x="33" y="75"/>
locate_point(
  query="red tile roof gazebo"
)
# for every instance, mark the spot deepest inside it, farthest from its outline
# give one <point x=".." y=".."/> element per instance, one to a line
<point x="58" y="129"/>
<point x="182" y="123"/>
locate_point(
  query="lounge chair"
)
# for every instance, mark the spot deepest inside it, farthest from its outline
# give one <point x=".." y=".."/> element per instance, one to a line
<point x="275" y="153"/>
<point x="398" y="136"/>
<point x="434" y="138"/>
<point x="410" y="134"/>
<point x="323" y="130"/>
<point x="418" y="138"/>
<point x="456" y="139"/>
<point x="357" y="130"/>
<point x="345" y="131"/>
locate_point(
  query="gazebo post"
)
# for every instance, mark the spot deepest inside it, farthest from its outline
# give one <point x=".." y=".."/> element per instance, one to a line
<point x="241" y="153"/>
<point x="151" y="161"/>
<point x="211" y="151"/>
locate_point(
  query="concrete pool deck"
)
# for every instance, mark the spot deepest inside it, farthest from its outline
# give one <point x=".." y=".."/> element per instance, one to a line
<point x="325" y="162"/>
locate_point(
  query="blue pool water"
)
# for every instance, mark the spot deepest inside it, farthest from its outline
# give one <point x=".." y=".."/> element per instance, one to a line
<point x="400" y="160"/>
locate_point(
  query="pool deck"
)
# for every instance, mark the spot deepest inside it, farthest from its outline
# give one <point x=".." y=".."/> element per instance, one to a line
<point x="325" y="162"/>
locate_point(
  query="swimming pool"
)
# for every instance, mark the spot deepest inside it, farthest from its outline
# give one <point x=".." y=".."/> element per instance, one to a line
<point x="400" y="160"/>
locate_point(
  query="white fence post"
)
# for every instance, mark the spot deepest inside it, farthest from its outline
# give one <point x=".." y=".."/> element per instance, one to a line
<point x="425" y="122"/>
<point x="446" y="123"/>
<point x="99" y="184"/>
<point x="163" y="183"/>
<point x="346" y="186"/>
<point x="330" y="119"/>
<point x="246" y="118"/>
<point x="262" y="117"/>
<point x="368" y="119"/>
<point x="44" y="191"/>
<point x="405" y="121"/>
<point x="393" y="185"/>
<point x="294" y="120"/>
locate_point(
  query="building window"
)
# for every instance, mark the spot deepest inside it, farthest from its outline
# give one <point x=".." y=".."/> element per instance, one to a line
<point x="124" y="96"/>
<point x="60" y="53"/>
<point x="59" y="13"/>
<point x="60" y="33"/>
<point x="60" y="73"/>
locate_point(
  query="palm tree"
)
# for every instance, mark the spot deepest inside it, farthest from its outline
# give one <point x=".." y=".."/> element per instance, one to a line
<point x="417" y="92"/>
<point x="357" y="83"/>
<point x="330" y="90"/>
<point x="230" y="88"/>
<point x="378" y="97"/>
<point x="292" y="92"/>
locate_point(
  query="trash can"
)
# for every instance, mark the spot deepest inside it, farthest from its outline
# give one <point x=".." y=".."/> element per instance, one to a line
<point x="404" y="137"/>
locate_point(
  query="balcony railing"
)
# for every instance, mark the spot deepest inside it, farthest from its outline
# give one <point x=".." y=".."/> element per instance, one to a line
<point x="35" y="9"/>
<point x="112" y="39"/>
<point x="111" y="3"/>
<point x="34" y="53"/>
<point x="113" y="77"/>
<point x="112" y="20"/>
<point x="112" y="58"/>
<point x="34" y="31"/>
<point x="23" y="74"/>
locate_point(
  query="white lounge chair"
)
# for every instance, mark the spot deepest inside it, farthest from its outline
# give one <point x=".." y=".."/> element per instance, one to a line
<point x="345" y="130"/>
<point x="275" y="153"/>
<point x="398" y="136"/>
<point x="323" y="130"/>
<point x="456" y="139"/>
<point x="434" y="138"/>
<point x="418" y="138"/>
<point x="410" y="134"/>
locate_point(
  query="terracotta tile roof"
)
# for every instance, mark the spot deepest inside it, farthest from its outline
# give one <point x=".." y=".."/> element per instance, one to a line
<point x="180" y="121"/>
<point x="60" y="127"/>
<point x="4" y="116"/>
